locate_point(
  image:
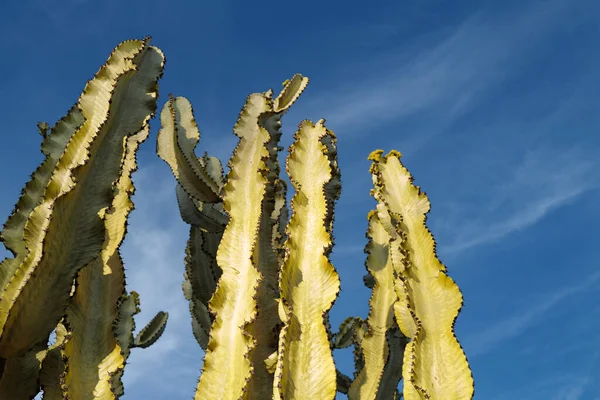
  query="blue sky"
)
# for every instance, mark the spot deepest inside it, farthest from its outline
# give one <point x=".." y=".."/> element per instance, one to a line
<point x="493" y="104"/>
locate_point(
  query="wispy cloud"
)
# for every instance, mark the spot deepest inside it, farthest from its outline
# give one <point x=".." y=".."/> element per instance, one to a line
<point x="485" y="341"/>
<point x="558" y="384"/>
<point x="576" y="390"/>
<point x="444" y="80"/>
<point x="537" y="389"/>
<point x="545" y="180"/>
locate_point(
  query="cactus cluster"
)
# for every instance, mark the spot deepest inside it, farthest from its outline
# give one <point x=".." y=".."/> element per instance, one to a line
<point x="260" y="284"/>
<point x="257" y="275"/>
<point x="66" y="274"/>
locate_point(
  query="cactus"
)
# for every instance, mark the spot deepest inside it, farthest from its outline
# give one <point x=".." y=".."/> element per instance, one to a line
<point x="260" y="285"/>
<point x="259" y="281"/>
<point x="378" y="332"/>
<point x="66" y="273"/>
<point x="429" y="301"/>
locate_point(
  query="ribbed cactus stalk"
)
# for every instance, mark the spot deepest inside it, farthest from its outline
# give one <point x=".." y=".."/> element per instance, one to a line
<point x="435" y="366"/>
<point x="235" y="239"/>
<point x="308" y="282"/>
<point x="261" y="286"/>
<point x="66" y="273"/>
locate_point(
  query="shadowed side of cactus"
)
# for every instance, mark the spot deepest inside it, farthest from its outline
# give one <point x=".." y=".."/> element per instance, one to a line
<point x="308" y="282"/>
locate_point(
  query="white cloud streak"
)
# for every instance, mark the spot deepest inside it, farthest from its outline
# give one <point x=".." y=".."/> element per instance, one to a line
<point x="572" y="392"/>
<point x="561" y="384"/>
<point x="444" y="80"/>
<point x="486" y="340"/>
<point x="545" y="180"/>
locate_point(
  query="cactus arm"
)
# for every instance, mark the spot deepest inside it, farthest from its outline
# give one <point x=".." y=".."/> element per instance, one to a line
<point x="200" y="324"/>
<point x="292" y="89"/>
<point x="128" y="306"/>
<point x="122" y="205"/>
<point x="177" y="139"/>
<point x="226" y="367"/>
<point x="20" y="379"/>
<point x="374" y="343"/>
<point x="53" y="147"/>
<point x="345" y="335"/>
<point x="66" y="230"/>
<point x="397" y="341"/>
<point x="360" y="331"/>
<point x="200" y="214"/>
<point x="214" y="168"/>
<point x="269" y="247"/>
<point x="369" y="280"/>
<point x="259" y="130"/>
<point x="207" y="220"/>
<point x="308" y="282"/>
<point x="435" y="365"/>
<point x="200" y="279"/>
<point x="43" y="128"/>
<point x="152" y="331"/>
<point x="53" y="366"/>
<point x="201" y="270"/>
<point x="343" y="382"/>
<point x="92" y="353"/>
<point x="200" y="263"/>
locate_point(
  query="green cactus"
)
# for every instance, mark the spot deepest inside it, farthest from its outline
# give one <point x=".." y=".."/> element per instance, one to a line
<point x="260" y="285"/>
<point x="66" y="273"/>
